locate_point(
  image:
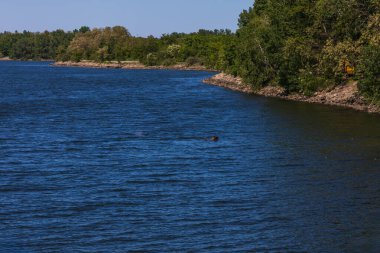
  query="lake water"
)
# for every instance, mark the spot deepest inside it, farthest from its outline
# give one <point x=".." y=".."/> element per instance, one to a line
<point x="106" y="160"/>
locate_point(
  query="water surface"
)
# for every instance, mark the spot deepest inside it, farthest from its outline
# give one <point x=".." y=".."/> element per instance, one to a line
<point x="100" y="160"/>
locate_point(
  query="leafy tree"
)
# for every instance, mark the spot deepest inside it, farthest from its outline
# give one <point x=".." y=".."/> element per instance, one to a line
<point x="84" y="29"/>
<point x="302" y="45"/>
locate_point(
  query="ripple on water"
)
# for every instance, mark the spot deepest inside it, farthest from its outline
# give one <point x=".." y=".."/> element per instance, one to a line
<point x="95" y="160"/>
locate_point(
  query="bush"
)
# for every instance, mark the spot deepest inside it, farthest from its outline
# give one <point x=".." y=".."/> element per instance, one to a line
<point x="192" y="61"/>
<point x="75" y="58"/>
<point x="151" y="59"/>
<point x="168" y="62"/>
<point x="336" y="56"/>
<point x="369" y="83"/>
<point x="309" y="83"/>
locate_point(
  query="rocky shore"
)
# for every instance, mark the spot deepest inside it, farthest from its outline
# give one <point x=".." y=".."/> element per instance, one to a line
<point x="346" y="95"/>
<point x="128" y="65"/>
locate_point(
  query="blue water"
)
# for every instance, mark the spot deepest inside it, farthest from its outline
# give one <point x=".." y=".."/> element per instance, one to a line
<point x="101" y="160"/>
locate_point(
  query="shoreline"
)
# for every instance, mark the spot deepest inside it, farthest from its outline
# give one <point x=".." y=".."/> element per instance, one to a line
<point x="130" y="65"/>
<point x="346" y="95"/>
<point x="26" y="60"/>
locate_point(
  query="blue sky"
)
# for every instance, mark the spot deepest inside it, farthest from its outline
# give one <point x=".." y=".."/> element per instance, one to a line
<point x="141" y="17"/>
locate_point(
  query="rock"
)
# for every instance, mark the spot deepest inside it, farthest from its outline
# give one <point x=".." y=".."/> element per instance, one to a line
<point x="346" y="95"/>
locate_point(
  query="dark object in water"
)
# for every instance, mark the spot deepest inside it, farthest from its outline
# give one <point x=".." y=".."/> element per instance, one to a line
<point x="214" y="138"/>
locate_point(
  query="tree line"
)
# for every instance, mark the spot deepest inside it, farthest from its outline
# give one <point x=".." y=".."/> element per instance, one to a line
<point x="302" y="45"/>
<point x="307" y="45"/>
<point x="117" y="44"/>
<point x="36" y="46"/>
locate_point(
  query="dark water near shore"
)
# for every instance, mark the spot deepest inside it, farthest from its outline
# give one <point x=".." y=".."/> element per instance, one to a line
<point x="96" y="160"/>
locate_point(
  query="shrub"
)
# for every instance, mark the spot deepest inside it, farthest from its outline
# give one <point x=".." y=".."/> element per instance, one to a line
<point x="309" y="83"/>
<point x="192" y="61"/>
<point x="168" y="62"/>
<point x="151" y="59"/>
<point x="369" y="83"/>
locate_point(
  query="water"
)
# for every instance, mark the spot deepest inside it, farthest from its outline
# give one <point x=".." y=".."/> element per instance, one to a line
<point x="96" y="160"/>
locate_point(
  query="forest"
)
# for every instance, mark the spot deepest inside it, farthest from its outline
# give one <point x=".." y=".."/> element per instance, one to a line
<point x="301" y="45"/>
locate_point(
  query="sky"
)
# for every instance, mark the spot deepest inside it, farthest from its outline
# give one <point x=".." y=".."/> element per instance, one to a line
<point x="141" y="17"/>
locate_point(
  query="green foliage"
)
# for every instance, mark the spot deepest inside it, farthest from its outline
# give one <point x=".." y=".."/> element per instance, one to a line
<point x="210" y="48"/>
<point x="302" y="45"/>
<point x="306" y="45"/>
<point x="191" y="61"/>
<point x="168" y="62"/>
<point x="152" y="59"/>
<point x="309" y="82"/>
<point x="173" y="51"/>
<point x="99" y="44"/>
<point x="258" y="45"/>
<point x="35" y="46"/>
<point x="84" y="29"/>
<point x="370" y="72"/>
<point x="298" y="58"/>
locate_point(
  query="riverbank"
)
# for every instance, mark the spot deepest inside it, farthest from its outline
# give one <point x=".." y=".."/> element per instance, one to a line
<point x="130" y="65"/>
<point x="26" y="60"/>
<point x="346" y="95"/>
<point x="343" y="95"/>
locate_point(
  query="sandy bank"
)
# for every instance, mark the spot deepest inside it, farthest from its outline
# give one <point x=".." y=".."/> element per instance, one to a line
<point x="343" y="95"/>
<point x="128" y="65"/>
<point x="5" y="59"/>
